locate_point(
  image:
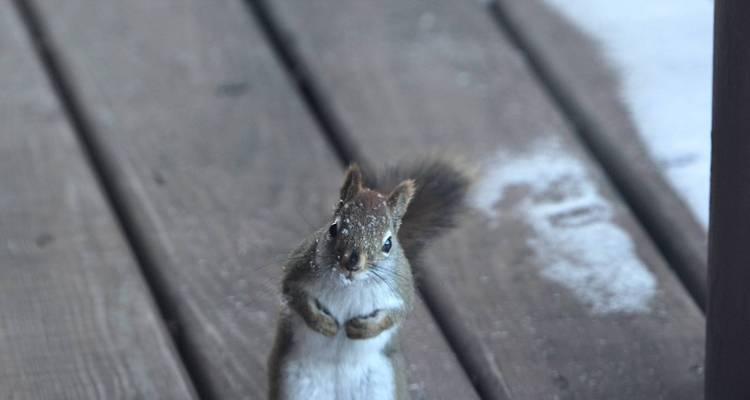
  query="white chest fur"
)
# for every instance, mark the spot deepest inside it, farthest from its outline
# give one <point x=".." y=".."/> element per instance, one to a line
<point x="321" y="367"/>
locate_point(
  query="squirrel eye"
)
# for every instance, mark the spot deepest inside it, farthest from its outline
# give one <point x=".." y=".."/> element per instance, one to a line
<point x="387" y="245"/>
<point x="333" y="230"/>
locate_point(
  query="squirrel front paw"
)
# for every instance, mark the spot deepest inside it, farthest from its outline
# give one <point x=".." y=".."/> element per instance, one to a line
<point x="322" y="321"/>
<point x="368" y="326"/>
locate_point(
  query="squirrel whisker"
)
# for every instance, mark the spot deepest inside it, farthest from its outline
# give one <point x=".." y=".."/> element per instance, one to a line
<point x="351" y="282"/>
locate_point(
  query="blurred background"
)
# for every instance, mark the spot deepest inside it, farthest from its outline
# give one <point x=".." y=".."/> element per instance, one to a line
<point x="159" y="159"/>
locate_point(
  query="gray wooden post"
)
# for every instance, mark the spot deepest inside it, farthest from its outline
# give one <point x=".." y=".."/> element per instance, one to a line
<point x="728" y="333"/>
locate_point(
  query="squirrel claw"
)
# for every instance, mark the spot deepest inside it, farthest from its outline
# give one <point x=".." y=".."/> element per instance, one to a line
<point x="327" y="326"/>
<point x="323" y="322"/>
<point x="367" y="326"/>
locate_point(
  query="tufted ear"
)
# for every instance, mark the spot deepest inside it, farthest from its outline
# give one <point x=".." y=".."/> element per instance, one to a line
<point x="352" y="183"/>
<point x="400" y="197"/>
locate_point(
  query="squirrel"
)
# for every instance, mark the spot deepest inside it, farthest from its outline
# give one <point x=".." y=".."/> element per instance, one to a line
<point x="349" y="285"/>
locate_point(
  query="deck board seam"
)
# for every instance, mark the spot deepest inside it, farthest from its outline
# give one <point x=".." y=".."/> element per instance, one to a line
<point x="96" y="160"/>
<point x="313" y="97"/>
<point x="343" y="145"/>
<point x="681" y="264"/>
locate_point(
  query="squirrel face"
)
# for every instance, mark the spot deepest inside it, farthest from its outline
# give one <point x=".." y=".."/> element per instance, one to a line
<point x="363" y="233"/>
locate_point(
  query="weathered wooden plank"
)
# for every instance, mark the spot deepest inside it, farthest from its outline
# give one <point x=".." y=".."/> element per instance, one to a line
<point x="728" y="353"/>
<point x="551" y="289"/>
<point x="659" y="66"/>
<point x="577" y="70"/>
<point x="76" y="318"/>
<point x="222" y="171"/>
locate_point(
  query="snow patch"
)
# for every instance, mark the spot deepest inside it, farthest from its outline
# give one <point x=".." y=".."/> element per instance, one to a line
<point x="664" y="52"/>
<point x="574" y="237"/>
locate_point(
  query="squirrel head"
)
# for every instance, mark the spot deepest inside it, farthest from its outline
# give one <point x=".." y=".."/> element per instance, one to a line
<point x="362" y="235"/>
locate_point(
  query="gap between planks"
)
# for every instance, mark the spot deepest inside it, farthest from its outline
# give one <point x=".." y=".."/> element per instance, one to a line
<point x="105" y="175"/>
<point x="342" y="144"/>
<point x="314" y="98"/>
<point x="686" y="265"/>
<point x="585" y="129"/>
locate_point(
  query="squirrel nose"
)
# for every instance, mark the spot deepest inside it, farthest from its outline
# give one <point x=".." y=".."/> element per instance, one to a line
<point x="351" y="263"/>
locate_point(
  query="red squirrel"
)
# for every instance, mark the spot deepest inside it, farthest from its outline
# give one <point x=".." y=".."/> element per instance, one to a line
<point x="348" y="287"/>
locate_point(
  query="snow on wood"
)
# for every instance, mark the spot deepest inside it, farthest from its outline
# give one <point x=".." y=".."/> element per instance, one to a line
<point x="574" y="238"/>
<point x="663" y="53"/>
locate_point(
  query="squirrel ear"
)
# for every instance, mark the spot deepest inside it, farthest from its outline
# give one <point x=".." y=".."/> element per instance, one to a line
<point x="400" y="197"/>
<point x="352" y="183"/>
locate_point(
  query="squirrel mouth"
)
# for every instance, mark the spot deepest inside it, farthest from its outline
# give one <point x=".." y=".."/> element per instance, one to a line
<point x="352" y="275"/>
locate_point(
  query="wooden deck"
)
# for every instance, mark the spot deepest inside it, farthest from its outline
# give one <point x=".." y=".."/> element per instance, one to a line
<point x="160" y="158"/>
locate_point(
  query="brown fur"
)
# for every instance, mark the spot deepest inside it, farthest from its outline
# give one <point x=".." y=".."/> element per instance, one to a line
<point x="372" y="325"/>
<point x="413" y="203"/>
<point x="439" y="199"/>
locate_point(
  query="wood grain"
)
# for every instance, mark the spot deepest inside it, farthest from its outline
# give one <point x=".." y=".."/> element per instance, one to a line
<point x="222" y="172"/>
<point x="408" y="77"/>
<point x="76" y="319"/>
<point x="574" y="66"/>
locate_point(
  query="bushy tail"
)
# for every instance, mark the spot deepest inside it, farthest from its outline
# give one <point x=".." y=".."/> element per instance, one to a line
<point x="441" y="195"/>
